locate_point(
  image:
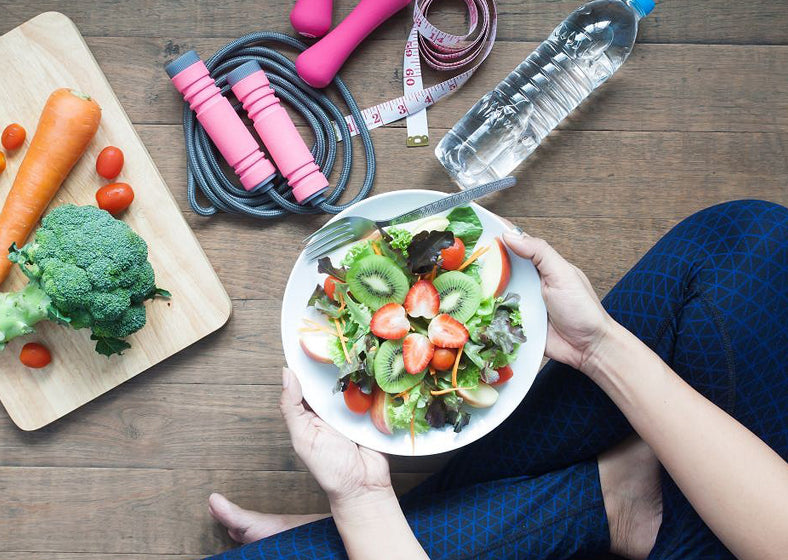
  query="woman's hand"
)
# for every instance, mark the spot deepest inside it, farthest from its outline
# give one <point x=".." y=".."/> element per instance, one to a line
<point x="577" y="323"/>
<point x="344" y="470"/>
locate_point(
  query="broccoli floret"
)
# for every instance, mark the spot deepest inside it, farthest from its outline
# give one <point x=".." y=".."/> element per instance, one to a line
<point x="87" y="270"/>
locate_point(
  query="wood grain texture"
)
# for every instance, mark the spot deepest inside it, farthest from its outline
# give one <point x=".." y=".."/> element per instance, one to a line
<point x="697" y="116"/>
<point x="672" y="21"/>
<point x="661" y="87"/>
<point x="141" y="511"/>
<point x="42" y="55"/>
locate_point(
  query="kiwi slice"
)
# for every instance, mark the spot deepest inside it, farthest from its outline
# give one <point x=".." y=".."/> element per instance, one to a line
<point x="390" y="368"/>
<point x="460" y="294"/>
<point x="376" y="280"/>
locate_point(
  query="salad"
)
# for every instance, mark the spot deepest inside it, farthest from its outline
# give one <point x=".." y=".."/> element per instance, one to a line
<point x="417" y="320"/>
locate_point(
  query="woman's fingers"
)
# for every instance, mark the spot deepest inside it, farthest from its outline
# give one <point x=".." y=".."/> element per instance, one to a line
<point x="545" y="258"/>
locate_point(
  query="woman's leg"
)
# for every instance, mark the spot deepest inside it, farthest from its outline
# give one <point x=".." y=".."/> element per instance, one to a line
<point x="556" y="515"/>
<point x="711" y="298"/>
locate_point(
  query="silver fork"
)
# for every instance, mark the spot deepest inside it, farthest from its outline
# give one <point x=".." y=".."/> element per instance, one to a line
<point x="346" y="230"/>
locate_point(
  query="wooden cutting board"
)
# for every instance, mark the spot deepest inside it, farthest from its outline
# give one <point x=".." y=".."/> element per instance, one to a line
<point x="40" y="56"/>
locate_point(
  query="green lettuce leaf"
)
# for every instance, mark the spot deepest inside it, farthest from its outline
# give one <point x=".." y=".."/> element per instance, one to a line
<point x="356" y="253"/>
<point x="465" y="224"/>
<point x="400" y="239"/>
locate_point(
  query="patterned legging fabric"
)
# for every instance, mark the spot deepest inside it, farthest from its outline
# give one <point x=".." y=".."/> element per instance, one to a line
<point x="711" y="298"/>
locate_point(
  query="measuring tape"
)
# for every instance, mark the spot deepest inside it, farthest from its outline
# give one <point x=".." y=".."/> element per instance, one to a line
<point x="441" y="51"/>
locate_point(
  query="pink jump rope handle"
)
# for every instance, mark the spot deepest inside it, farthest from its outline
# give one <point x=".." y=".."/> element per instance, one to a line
<point x="223" y="125"/>
<point x="277" y="131"/>
<point x="318" y="65"/>
<point x="312" y="18"/>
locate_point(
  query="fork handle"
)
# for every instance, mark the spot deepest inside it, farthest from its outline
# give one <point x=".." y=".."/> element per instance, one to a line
<point x="451" y="201"/>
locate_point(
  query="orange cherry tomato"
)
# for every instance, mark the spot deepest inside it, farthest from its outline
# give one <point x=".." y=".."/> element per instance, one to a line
<point x="504" y="374"/>
<point x="453" y="256"/>
<point x="35" y="355"/>
<point x="13" y="136"/>
<point x="2" y="162"/>
<point x="115" y="198"/>
<point x="356" y="400"/>
<point x="330" y="286"/>
<point x="109" y="162"/>
<point x="443" y="359"/>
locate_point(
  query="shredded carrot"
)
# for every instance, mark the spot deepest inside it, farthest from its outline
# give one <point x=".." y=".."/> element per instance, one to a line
<point x="413" y="431"/>
<point x="432" y="371"/>
<point x="376" y="249"/>
<point x="475" y="255"/>
<point x="456" y="366"/>
<point x="313" y="326"/>
<point x="342" y="340"/>
<point x="341" y="301"/>
<point x="449" y="390"/>
<point x="431" y="276"/>
<point x="404" y="393"/>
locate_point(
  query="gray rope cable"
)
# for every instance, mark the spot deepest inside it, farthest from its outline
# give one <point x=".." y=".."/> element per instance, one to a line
<point x="205" y="172"/>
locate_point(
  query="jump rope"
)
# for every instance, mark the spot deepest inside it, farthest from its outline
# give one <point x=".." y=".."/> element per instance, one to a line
<point x="259" y="76"/>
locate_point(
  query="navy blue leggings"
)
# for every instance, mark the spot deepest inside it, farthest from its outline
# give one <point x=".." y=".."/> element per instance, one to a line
<point x="711" y="298"/>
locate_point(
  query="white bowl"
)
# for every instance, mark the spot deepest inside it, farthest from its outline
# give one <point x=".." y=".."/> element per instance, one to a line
<point x="319" y="379"/>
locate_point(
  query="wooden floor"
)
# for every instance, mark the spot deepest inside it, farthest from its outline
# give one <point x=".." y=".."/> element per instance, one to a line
<point x="697" y="116"/>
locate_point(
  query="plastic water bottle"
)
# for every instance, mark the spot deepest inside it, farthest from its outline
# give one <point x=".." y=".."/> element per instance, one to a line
<point x="508" y="123"/>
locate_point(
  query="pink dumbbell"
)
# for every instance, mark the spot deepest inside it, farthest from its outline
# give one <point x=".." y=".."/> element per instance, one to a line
<point x="277" y="131"/>
<point x="312" y="18"/>
<point x="223" y="125"/>
<point x="318" y="65"/>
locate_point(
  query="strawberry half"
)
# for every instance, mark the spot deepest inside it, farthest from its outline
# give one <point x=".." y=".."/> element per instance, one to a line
<point x="447" y="332"/>
<point x="390" y="321"/>
<point x="417" y="352"/>
<point x="422" y="300"/>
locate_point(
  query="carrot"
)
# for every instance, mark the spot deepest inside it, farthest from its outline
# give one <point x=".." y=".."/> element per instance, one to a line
<point x="67" y="125"/>
<point x="456" y="367"/>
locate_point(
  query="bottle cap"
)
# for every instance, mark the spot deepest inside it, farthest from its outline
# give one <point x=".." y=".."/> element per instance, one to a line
<point x="643" y="6"/>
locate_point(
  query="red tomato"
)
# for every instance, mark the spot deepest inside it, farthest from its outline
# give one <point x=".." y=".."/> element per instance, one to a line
<point x="2" y="162"/>
<point x="13" y="136"/>
<point x="356" y="400"/>
<point x="330" y="286"/>
<point x="453" y="256"/>
<point x="115" y="198"/>
<point x="443" y="359"/>
<point x="109" y="162"/>
<point x="35" y="355"/>
<point x="505" y="374"/>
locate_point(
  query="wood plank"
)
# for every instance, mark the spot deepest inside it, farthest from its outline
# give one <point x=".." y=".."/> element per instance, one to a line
<point x="672" y="173"/>
<point x="140" y="511"/>
<point x="661" y="87"/>
<point x="173" y="426"/>
<point x="673" y="21"/>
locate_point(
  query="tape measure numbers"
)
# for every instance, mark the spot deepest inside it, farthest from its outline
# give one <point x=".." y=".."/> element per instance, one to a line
<point x="441" y="51"/>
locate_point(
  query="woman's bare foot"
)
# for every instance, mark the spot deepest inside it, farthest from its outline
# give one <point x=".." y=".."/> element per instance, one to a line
<point x="245" y="526"/>
<point x="630" y="478"/>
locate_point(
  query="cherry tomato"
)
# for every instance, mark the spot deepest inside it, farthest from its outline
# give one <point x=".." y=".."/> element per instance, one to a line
<point x="35" y="355"/>
<point x="504" y="374"/>
<point x="453" y="256"/>
<point x="356" y="400"/>
<point x="13" y="136"/>
<point x="2" y="162"/>
<point x="443" y="359"/>
<point x="109" y="162"/>
<point x="115" y="198"/>
<point x="330" y="286"/>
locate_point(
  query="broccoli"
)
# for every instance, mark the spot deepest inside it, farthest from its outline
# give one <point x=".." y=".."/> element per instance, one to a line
<point x="86" y="270"/>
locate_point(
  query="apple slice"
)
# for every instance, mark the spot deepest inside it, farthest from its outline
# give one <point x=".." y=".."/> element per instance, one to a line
<point x="482" y="396"/>
<point x="378" y="412"/>
<point x="315" y="343"/>
<point x="496" y="269"/>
